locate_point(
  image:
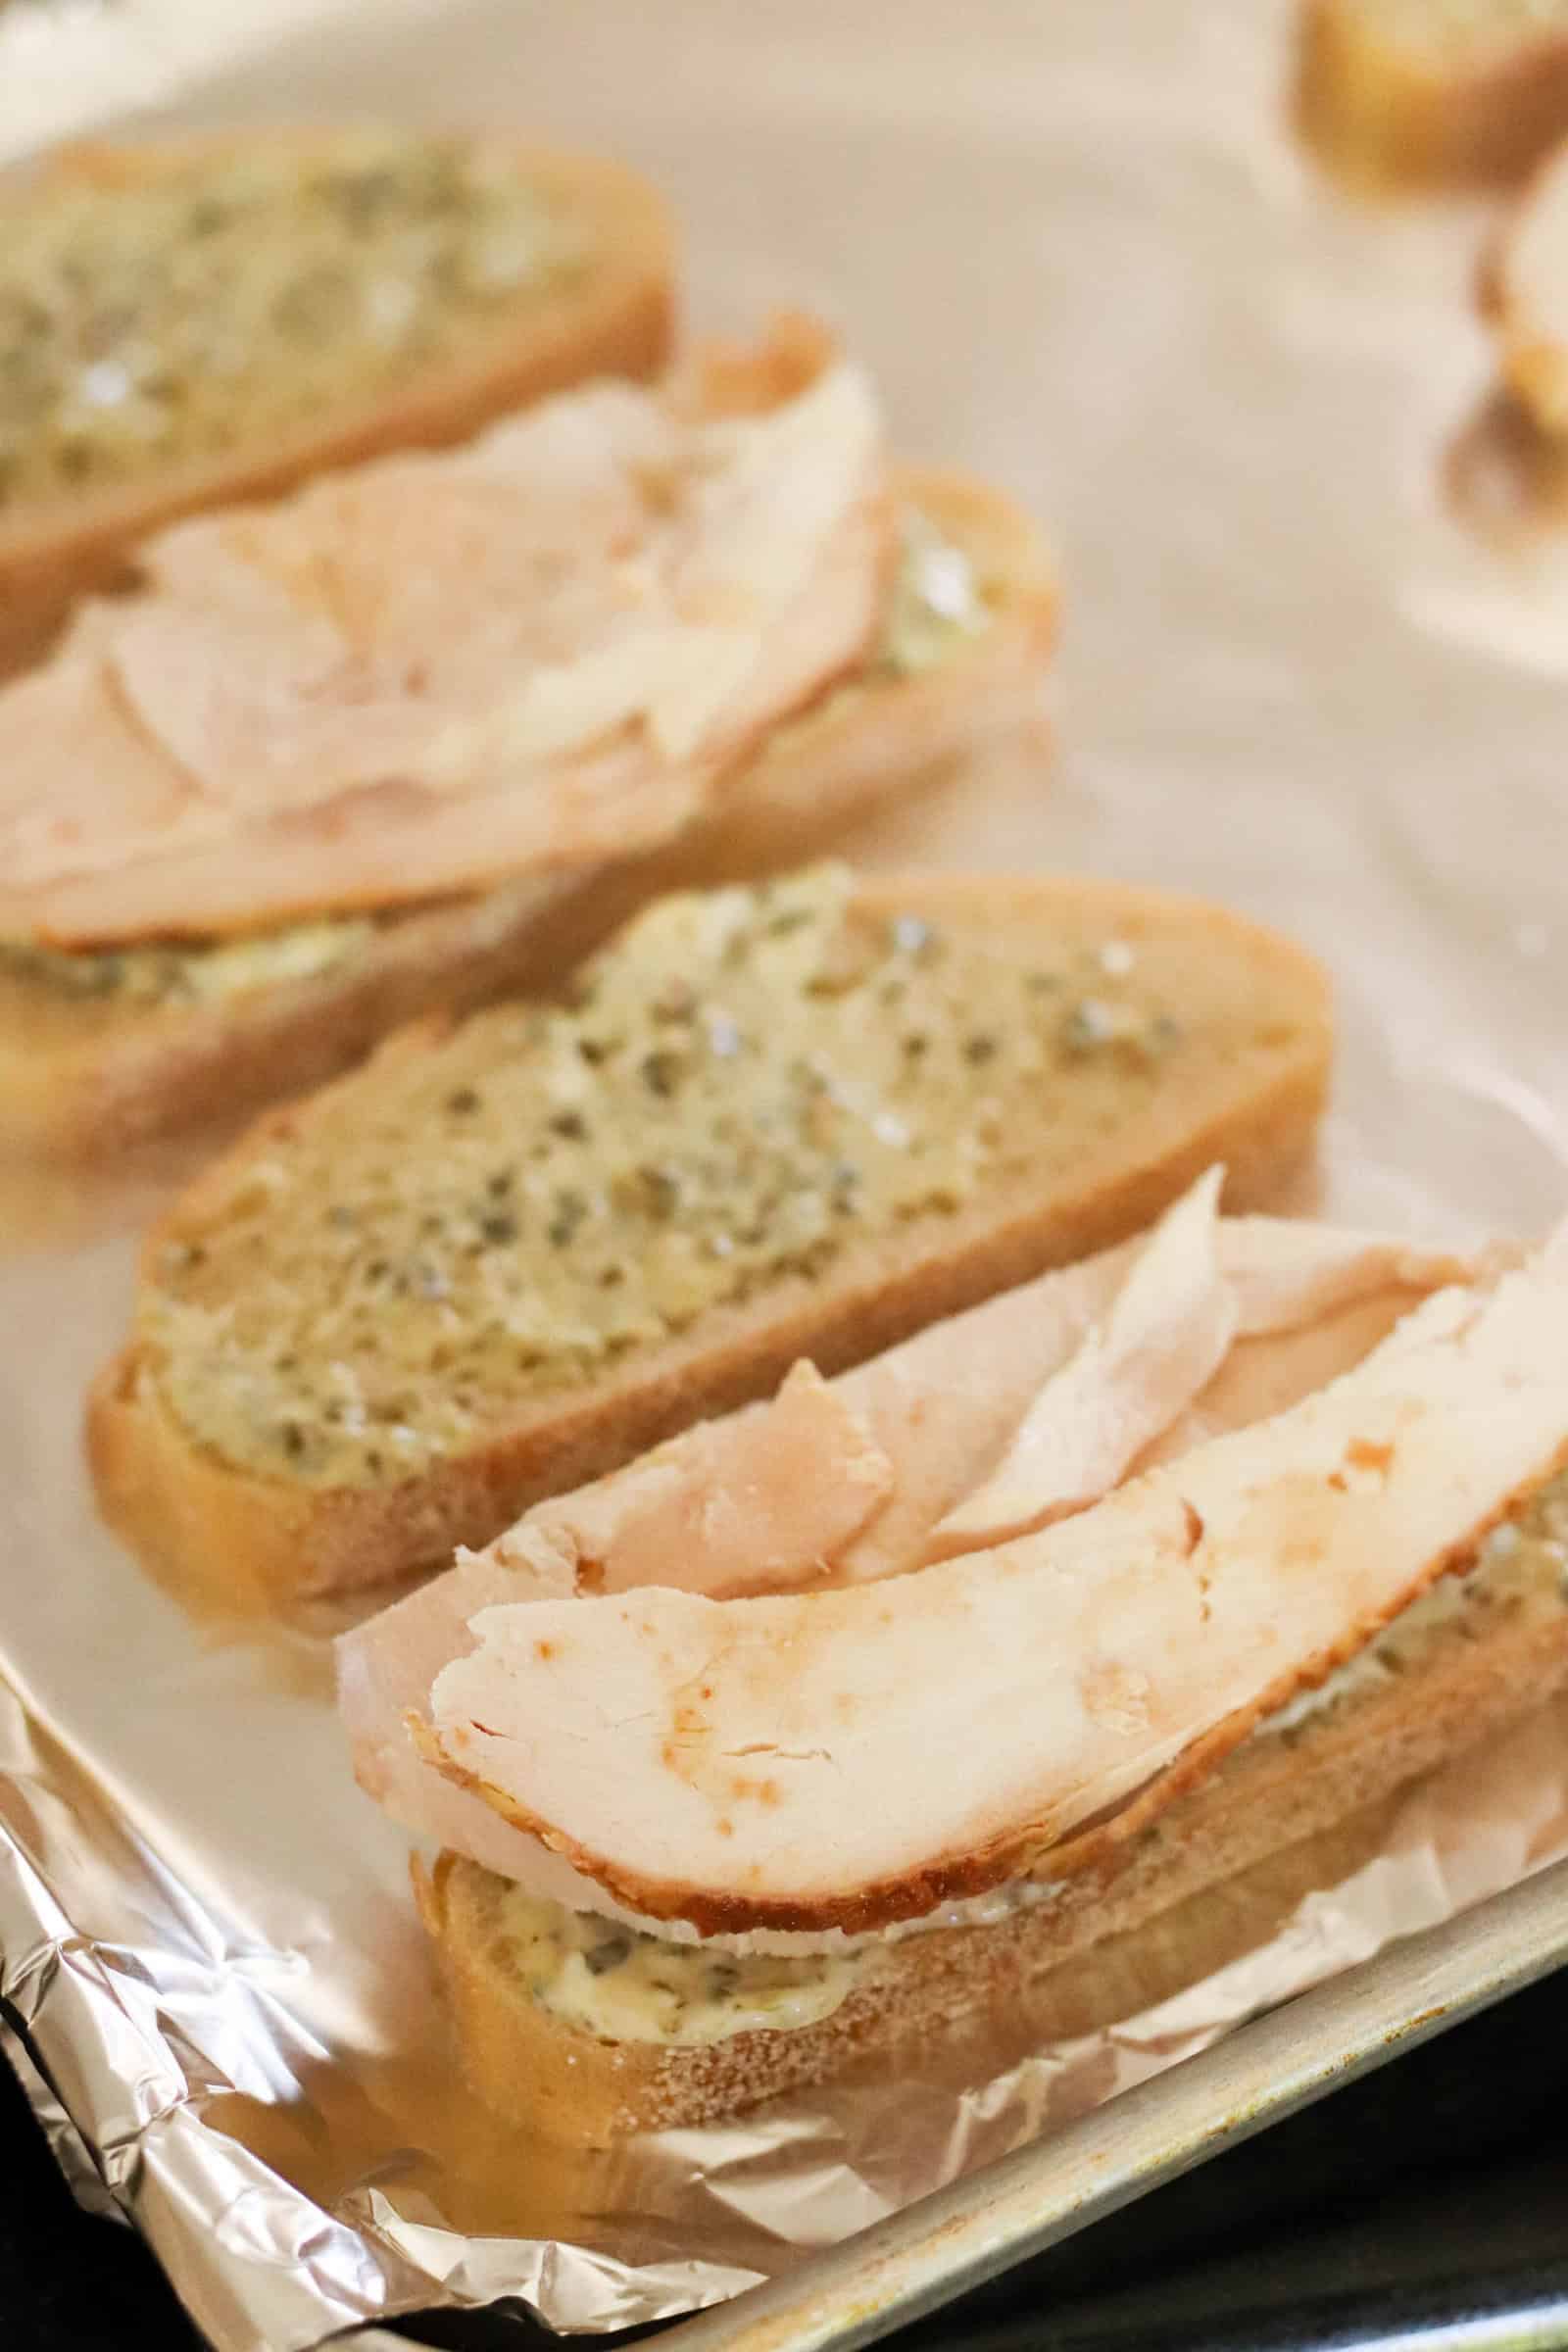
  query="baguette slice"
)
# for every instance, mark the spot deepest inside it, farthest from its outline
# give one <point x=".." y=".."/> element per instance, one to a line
<point x="609" y="314"/>
<point x="87" y="1073"/>
<point x="1423" y="92"/>
<point x="404" y="1308"/>
<point x="1247" y="1840"/>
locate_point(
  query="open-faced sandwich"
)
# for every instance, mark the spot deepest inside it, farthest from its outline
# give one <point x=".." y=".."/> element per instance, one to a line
<point x="187" y="321"/>
<point x="821" y="1735"/>
<point x="345" y="759"/>
<point x="796" y="1118"/>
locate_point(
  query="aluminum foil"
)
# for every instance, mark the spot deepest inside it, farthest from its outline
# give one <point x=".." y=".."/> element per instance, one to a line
<point x="1316" y="632"/>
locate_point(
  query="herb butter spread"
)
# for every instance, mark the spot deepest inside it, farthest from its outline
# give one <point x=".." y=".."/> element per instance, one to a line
<point x="935" y="603"/>
<point x="208" y="973"/>
<point x="626" y="1984"/>
<point x="934" y="607"/>
<point x="623" y="1986"/>
<point x="747" y="1082"/>
<point x="242" y="294"/>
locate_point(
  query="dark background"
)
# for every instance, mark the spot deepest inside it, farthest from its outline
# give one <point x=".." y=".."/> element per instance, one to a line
<point x="1431" y="2193"/>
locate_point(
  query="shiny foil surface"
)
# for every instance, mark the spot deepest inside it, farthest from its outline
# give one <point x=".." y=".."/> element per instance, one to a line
<point x="1314" y="664"/>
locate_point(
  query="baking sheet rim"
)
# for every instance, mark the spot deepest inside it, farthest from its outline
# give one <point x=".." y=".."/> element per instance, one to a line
<point x="887" y="2276"/>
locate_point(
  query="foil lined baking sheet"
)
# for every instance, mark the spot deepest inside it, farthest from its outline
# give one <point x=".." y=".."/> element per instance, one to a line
<point x="1315" y="640"/>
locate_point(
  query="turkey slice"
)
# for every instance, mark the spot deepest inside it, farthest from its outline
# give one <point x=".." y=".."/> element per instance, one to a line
<point x="858" y="1471"/>
<point x="1168" y="1332"/>
<point x="852" y="1758"/>
<point x="1135" y="1378"/>
<point x="438" y="671"/>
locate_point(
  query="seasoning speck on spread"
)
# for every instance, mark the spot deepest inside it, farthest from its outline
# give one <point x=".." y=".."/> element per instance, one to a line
<point x="241" y="294"/>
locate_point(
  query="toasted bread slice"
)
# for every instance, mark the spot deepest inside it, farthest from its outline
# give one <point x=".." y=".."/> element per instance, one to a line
<point x="1216" y="1874"/>
<point x="1524" y="293"/>
<point x="803" y="1119"/>
<point x="85" y="1068"/>
<point x="591" y="296"/>
<point x="1413" y="92"/>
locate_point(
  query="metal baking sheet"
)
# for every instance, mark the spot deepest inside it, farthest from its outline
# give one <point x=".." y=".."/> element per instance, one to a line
<point x="1315" y="643"/>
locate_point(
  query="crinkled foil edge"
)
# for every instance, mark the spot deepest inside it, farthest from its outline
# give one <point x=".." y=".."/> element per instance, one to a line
<point x="114" y="2045"/>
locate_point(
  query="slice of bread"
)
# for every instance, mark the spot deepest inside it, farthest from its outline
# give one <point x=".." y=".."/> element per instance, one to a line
<point x="89" y="1065"/>
<point x="799" y="1119"/>
<point x="1412" y="92"/>
<point x="1217" y="1873"/>
<point x="1524" y="293"/>
<point x="585" y="289"/>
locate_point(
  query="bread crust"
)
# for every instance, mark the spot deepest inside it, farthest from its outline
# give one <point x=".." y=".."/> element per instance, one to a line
<point x="226" y="1535"/>
<point x="149" y="1072"/>
<point x="1383" y="117"/>
<point x="1149" y="1916"/>
<point x="617" y="319"/>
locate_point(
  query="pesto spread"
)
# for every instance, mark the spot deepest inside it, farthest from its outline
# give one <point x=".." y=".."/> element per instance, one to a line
<point x="747" y="1082"/>
<point x="241" y="295"/>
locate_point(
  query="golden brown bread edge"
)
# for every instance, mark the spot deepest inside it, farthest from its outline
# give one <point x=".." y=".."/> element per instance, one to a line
<point x="617" y="319"/>
<point x="1219" y="1871"/>
<point x="227" y="1537"/>
<point x="1382" y="122"/>
<point x="150" y="1071"/>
